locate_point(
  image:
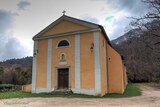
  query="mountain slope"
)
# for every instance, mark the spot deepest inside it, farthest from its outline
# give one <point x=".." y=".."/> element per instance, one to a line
<point x="127" y="36"/>
<point x="22" y="62"/>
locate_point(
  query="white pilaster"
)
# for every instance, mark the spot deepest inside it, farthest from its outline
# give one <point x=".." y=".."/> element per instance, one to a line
<point x="97" y="63"/>
<point x="77" y="62"/>
<point x="34" y="66"/>
<point x="49" y="62"/>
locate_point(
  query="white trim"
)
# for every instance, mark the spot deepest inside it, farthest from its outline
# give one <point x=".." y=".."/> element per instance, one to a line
<point x="97" y="63"/>
<point x="49" y="64"/>
<point x="34" y="66"/>
<point x="63" y="46"/>
<point x="56" y="79"/>
<point x="87" y="91"/>
<point x="62" y="63"/>
<point x="65" y="34"/>
<point x="77" y="62"/>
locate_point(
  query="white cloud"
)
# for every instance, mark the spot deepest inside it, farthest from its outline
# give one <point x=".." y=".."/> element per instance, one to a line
<point x="10" y="47"/>
<point x="13" y="49"/>
<point x="90" y="19"/>
<point x="115" y="25"/>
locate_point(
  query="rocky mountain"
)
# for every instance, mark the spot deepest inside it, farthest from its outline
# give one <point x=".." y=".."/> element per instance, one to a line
<point x="127" y="36"/>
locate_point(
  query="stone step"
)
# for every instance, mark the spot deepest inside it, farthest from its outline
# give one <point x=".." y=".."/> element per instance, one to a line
<point x="62" y="92"/>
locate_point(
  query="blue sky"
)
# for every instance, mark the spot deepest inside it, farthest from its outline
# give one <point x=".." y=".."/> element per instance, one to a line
<point x="20" y="20"/>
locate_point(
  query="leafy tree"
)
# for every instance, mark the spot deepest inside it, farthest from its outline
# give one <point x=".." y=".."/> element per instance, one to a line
<point x="23" y="76"/>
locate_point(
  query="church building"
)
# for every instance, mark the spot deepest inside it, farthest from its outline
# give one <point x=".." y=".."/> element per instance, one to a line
<point x="75" y="55"/>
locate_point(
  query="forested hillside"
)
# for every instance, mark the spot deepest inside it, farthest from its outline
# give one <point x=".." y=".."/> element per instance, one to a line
<point x="16" y="71"/>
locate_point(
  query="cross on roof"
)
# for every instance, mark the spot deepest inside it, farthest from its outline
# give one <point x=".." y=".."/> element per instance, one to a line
<point x="64" y="12"/>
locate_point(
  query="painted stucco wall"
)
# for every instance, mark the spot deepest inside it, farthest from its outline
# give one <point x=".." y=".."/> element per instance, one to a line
<point x="26" y="88"/>
<point x="115" y="71"/>
<point x="41" y="64"/>
<point x="87" y="61"/>
<point x="103" y="64"/>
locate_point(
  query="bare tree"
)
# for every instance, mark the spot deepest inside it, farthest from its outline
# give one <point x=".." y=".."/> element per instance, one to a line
<point x="145" y="60"/>
<point x="150" y="25"/>
<point x="151" y="20"/>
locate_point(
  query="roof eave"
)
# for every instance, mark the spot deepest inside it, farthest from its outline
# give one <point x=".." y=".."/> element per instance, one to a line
<point x="104" y="32"/>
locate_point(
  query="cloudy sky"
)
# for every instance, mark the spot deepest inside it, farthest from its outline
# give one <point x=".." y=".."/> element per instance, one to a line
<point x="20" y="20"/>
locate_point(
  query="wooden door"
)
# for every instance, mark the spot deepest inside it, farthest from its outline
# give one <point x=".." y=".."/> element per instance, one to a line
<point x="63" y="78"/>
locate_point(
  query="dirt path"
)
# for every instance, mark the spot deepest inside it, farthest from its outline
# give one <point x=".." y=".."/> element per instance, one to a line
<point x="150" y="98"/>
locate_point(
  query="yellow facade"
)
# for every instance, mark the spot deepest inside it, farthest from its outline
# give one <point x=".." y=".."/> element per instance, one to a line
<point x="87" y="61"/>
<point x="116" y="71"/>
<point x="42" y="64"/>
<point x="85" y="76"/>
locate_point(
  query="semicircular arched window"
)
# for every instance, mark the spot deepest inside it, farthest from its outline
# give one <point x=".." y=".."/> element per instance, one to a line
<point x="63" y="43"/>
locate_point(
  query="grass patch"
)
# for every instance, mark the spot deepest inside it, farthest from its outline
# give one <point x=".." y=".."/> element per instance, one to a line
<point x="22" y="94"/>
<point x="131" y="90"/>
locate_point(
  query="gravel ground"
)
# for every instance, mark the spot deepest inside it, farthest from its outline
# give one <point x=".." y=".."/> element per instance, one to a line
<point x="150" y="98"/>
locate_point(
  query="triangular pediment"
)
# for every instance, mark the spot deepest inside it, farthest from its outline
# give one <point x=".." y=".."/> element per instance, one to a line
<point x="66" y="24"/>
<point x="63" y="27"/>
